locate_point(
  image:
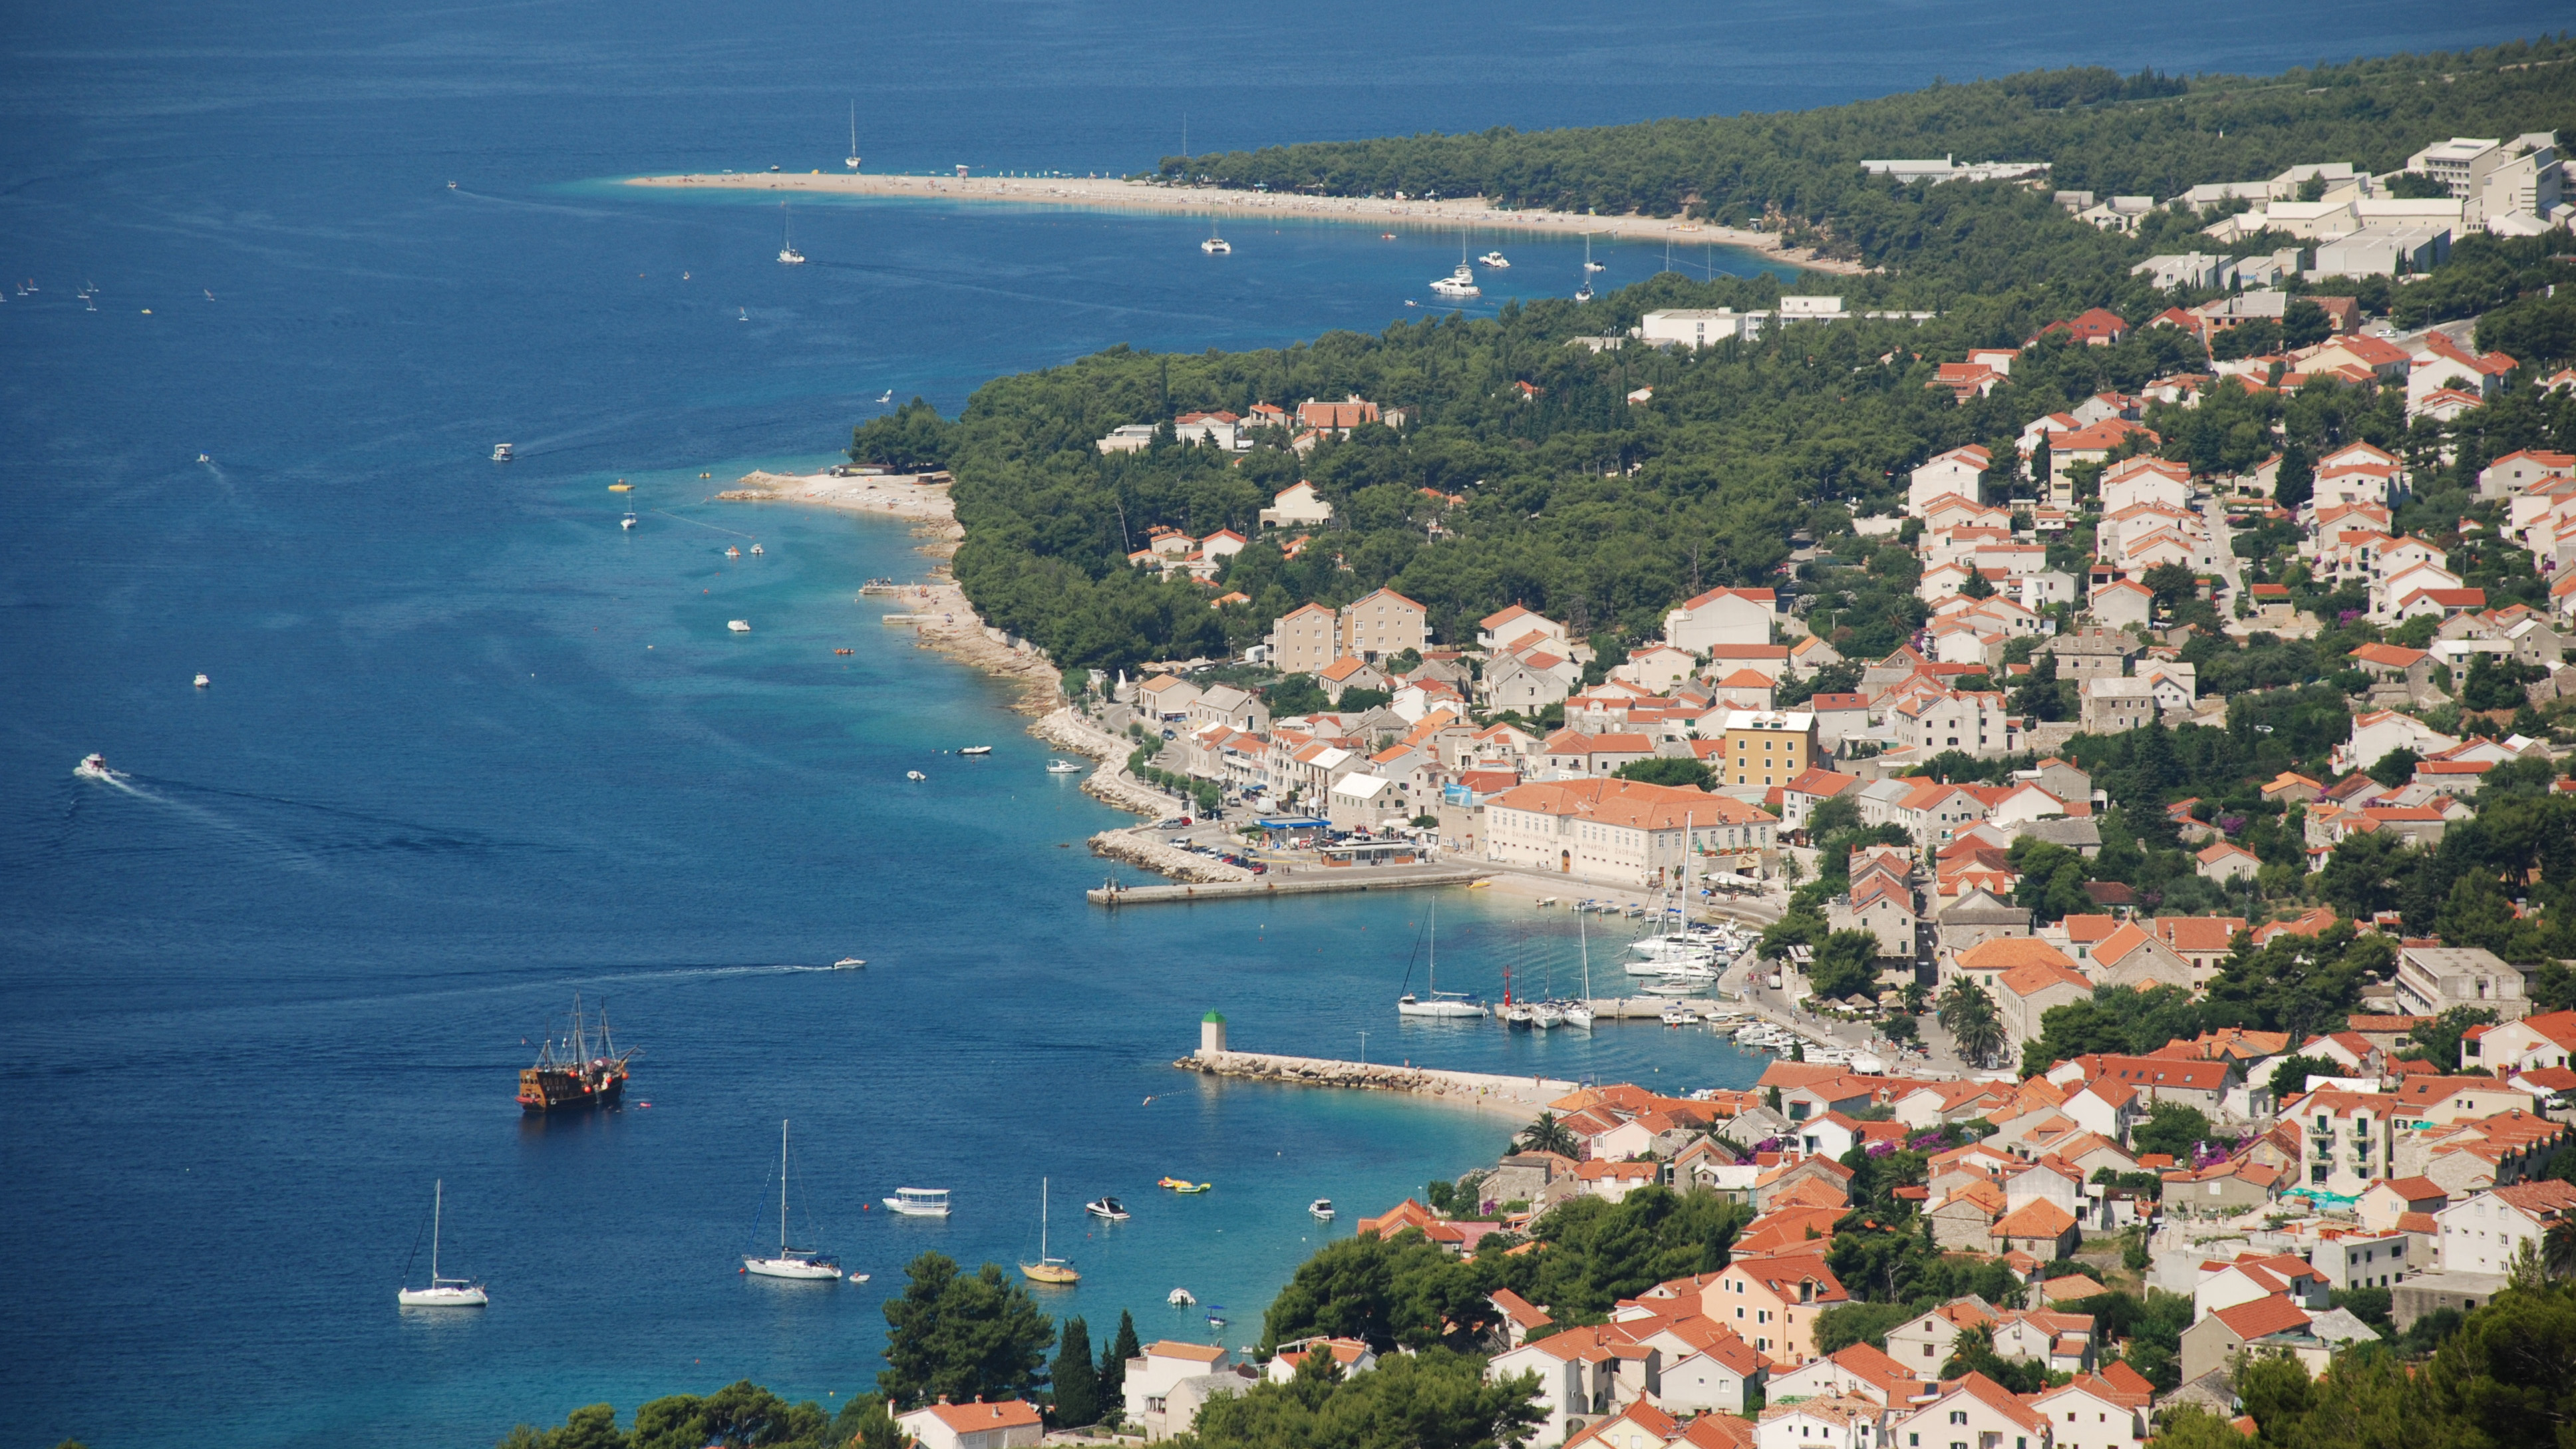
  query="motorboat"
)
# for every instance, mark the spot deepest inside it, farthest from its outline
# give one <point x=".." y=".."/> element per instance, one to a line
<point x="914" y="775"/>
<point x="1321" y="1208"/>
<point x="1672" y="1016"/>
<point x="976" y="750"/>
<point x="1494" y="259"/>
<point x="919" y="1202"/>
<point x="1180" y="1298"/>
<point x="203" y="682"/>
<point x="732" y="551"/>
<point x="628" y="522"/>
<point x="738" y="626"/>
<point x="500" y="452"/>
<point x="1106" y="1208"/>
<point x="1460" y="283"/>
<point x="849" y="963"/>
<point x="441" y="1292"/>
<point x="1046" y="1269"/>
<point x="1063" y="767"/>
<point x="800" y="1264"/>
<point x="757" y="550"/>
<point x="93" y="767"/>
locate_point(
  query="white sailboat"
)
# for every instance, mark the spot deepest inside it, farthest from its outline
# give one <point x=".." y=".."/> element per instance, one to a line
<point x="787" y="252"/>
<point x="1434" y="1001"/>
<point x="852" y="160"/>
<point x="441" y="1292"/>
<point x="1579" y="1013"/>
<point x="1590" y="265"/>
<point x="797" y="1263"/>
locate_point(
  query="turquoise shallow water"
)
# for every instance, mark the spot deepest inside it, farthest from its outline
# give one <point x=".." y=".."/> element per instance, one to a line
<point x="471" y="749"/>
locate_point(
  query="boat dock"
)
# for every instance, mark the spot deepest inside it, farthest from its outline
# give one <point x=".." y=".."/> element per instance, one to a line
<point x="1652" y="1008"/>
<point x="1521" y="1096"/>
<point x="1303" y="883"/>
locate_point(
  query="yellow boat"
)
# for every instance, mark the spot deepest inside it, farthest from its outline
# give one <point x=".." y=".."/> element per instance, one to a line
<point x="1181" y="1185"/>
<point x="621" y="487"/>
<point x="1046" y="1269"/>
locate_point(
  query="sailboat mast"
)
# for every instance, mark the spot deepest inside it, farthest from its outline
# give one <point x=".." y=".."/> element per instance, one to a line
<point x="1584" y="944"/>
<point x="1042" y="1219"/>
<point x="437" y="1211"/>
<point x="1434" y="974"/>
<point x="782" y="1187"/>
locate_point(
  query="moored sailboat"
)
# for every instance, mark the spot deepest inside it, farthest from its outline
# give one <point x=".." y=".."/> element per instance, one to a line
<point x="442" y="1292"/>
<point x="804" y="1264"/>
<point x="1046" y="1269"/>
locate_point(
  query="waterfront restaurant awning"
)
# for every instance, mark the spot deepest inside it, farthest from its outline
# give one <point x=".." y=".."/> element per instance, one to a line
<point x="1295" y="822"/>
<point x="1371" y="852"/>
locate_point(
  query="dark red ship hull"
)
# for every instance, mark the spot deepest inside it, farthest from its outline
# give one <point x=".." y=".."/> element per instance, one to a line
<point x="552" y="1091"/>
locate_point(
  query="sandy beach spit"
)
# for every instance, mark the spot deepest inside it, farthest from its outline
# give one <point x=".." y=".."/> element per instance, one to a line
<point x="1112" y="193"/>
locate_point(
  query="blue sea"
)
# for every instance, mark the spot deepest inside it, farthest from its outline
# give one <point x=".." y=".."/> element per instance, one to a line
<point x="469" y="749"/>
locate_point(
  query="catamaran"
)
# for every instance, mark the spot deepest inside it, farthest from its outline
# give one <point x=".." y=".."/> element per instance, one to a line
<point x="441" y="1292"/>
<point x="799" y="1263"/>
<point x="1434" y="1001"/>
<point x="1046" y="1269"/>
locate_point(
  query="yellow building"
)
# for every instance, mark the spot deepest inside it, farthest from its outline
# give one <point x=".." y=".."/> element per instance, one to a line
<point x="1768" y="747"/>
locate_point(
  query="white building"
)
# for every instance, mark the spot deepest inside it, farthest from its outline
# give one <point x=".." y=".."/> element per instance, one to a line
<point x="1296" y="505"/>
<point x="1156" y="1399"/>
<point x="1959" y="472"/>
<point x="2483" y="1233"/>
<point x="1697" y="327"/>
<point x="1008" y="1424"/>
<point x="1722" y="616"/>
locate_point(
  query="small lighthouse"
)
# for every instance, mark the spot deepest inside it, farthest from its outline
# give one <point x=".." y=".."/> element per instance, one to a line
<point x="1211" y="1035"/>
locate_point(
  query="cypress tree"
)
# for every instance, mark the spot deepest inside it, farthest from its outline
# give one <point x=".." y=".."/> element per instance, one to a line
<point x="1113" y="1364"/>
<point x="1077" y="1382"/>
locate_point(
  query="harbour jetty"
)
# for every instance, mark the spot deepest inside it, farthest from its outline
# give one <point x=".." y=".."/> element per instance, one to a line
<point x="1316" y="883"/>
<point x="1521" y="1096"/>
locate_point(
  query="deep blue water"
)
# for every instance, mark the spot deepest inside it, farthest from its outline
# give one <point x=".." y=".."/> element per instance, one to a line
<point x="470" y="749"/>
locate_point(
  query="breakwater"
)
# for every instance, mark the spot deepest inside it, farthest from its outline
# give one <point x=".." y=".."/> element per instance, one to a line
<point x="1522" y="1096"/>
<point x="1310" y="883"/>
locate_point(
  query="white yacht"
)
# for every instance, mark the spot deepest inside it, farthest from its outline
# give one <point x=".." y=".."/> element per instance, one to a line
<point x="919" y="1202"/>
<point x="757" y="550"/>
<point x="1494" y="259"/>
<point x="628" y="522"/>
<point x="1460" y="283"/>
<point x="500" y="452"/>
<point x="1216" y="246"/>
<point x="787" y="252"/>
<point x="1584" y="292"/>
<point x="1107" y="1209"/>
<point x="1433" y="1001"/>
<point x="797" y="1263"/>
<point x="1063" y="767"/>
<point x="203" y="682"/>
<point x="849" y="963"/>
<point x="93" y="767"/>
<point x="1321" y="1209"/>
<point x="1590" y="265"/>
<point x="1180" y="1298"/>
<point x="441" y="1292"/>
<point x="976" y="750"/>
<point x="914" y="775"/>
<point x="738" y="626"/>
<point x="1546" y="1015"/>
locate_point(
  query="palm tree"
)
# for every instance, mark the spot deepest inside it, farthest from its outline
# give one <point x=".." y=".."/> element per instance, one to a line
<point x="1548" y="1135"/>
<point x="1968" y="1014"/>
<point x="2558" y="1251"/>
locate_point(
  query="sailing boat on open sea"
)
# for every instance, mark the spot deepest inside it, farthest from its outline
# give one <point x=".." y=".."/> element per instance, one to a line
<point x="802" y="1263"/>
<point x="441" y="1292"/>
<point x="787" y="252"/>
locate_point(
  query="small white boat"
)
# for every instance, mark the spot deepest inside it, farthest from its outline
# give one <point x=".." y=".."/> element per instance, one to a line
<point x="93" y="767"/>
<point x="787" y="252"/>
<point x="852" y="160"/>
<point x="1107" y="1209"/>
<point x="914" y="775"/>
<point x="801" y="1264"/>
<point x="1180" y="1298"/>
<point x="500" y="452"/>
<point x="849" y="963"/>
<point x="742" y="314"/>
<point x="919" y="1202"/>
<point x="739" y="626"/>
<point x="1583" y="293"/>
<point x="976" y="750"/>
<point x="628" y="522"/>
<point x="732" y="552"/>
<point x="1321" y="1208"/>
<point x="1494" y="259"/>
<point x="441" y="1292"/>
<point x="1063" y="767"/>
<point x="757" y="549"/>
<point x="202" y="458"/>
<point x="451" y="186"/>
<point x="203" y="682"/>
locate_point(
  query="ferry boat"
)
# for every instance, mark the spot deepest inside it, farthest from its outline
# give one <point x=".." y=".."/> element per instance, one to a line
<point x="500" y="452"/>
<point x="801" y="1264"/>
<point x="919" y="1202"/>
<point x="93" y="766"/>
<point x="1108" y="1209"/>
<point x="572" y="1073"/>
<point x="441" y="1292"/>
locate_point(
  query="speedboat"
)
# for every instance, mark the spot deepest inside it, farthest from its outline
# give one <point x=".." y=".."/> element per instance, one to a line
<point x="1063" y="767"/>
<point x="757" y="549"/>
<point x="732" y="552"/>
<point x="739" y="626"/>
<point x="628" y="522"/>
<point x="203" y="682"/>
<point x="1322" y="1208"/>
<point x="500" y="452"/>
<point x="976" y="750"/>
<point x="919" y="1202"/>
<point x="1493" y="259"/>
<point x="1673" y="1016"/>
<point x="1180" y="1298"/>
<point x="914" y="775"/>
<point x="1583" y="293"/>
<point x="1460" y="283"/>
<point x="1217" y="246"/>
<point x="849" y="963"/>
<point x="1108" y="1208"/>
<point x="93" y="767"/>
